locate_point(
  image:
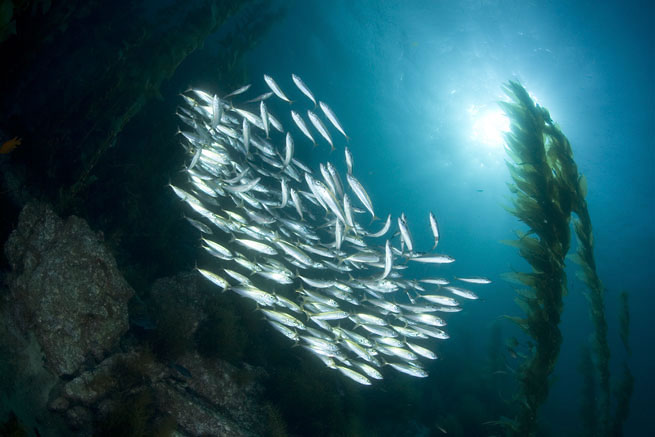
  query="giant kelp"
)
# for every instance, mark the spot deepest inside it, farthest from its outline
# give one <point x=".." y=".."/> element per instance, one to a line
<point x="548" y="190"/>
<point x="625" y="386"/>
<point x="543" y="204"/>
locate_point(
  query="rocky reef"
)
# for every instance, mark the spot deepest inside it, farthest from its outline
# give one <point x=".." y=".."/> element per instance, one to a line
<point x="75" y="367"/>
<point x="65" y="288"/>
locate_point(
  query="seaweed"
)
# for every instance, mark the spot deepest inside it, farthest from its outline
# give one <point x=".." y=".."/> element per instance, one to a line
<point x="588" y="410"/>
<point x="548" y="191"/>
<point x="541" y="203"/>
<point x="142" y="81"/>
<point x="623" y="390"/>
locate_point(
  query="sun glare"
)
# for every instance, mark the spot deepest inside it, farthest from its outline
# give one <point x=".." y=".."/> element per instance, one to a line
<point x="488" y="126"/>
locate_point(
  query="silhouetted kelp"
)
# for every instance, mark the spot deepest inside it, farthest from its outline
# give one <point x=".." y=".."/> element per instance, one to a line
<point x="543" y="204"/>
<point x="547" y="189"/>
<point x="625" y="386"/>
<point x="76" y="73"/>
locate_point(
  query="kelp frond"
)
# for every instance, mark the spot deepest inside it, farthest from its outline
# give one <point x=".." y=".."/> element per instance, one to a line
<point x="537" y="204"/>
<point x="547" y="189"/>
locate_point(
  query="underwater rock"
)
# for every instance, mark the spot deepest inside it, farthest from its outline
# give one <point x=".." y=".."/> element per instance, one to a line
<point x="79" y="417"/>
<point x="214" y="401"/>
<point x="230" y="390"/>
<point x="205" y="396"/>
<point x="59" y="405"/>
<point x="25" y="385"/>
<point x="65" y="288"/>
<point x="94" y="385"/>
<point x="214" y="398"/>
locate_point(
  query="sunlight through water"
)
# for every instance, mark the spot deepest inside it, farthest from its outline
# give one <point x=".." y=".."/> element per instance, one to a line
<point x="488" y="126"/>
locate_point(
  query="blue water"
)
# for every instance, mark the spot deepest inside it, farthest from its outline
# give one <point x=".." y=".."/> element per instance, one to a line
<point x="405" y="79"/>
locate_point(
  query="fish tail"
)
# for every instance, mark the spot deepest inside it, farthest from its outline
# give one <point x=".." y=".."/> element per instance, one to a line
<point x="374" y="218"/>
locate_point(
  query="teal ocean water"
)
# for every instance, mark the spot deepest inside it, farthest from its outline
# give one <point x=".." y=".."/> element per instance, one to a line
<point x="415" y="85"/>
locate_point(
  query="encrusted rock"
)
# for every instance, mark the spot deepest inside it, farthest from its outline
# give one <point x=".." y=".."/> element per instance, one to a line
<point x="59" y="404"/>
<point x="227" y="388"/>
<point x="79" y="417"/>
<point x="65" y="288"/>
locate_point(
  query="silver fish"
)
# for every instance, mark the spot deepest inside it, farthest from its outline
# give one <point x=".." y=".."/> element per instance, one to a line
<point x="238" y="91"/>
<point x="296" y="202"/>
<point x="284" y="318"/>
<point x="384" y="230"/>
<point x="409" y="370"/>
<point x="435" y="230"/>
<point x="474" y="280"/>
<point x="349" y="160"/>
<point x="302" y="126"/>
<point x="260" y="97"/>
<point x="441" y="300"/>
<point x="355" y="376"/>
<point x="333" y="118"/>
<point x="275" y="88"/>
<point x="199" y="226"/>
<point x="259" y="296"/>
<point x="336" y="179"/>
<point x="404" y="233"/>
<point x="360" y="192"/>
<point x="320" y="127"/>
<point x="263" y="113"/>
<point x="422" y="351"/>
<point x="433" y="259"/>
<point x="215" y="279"/>
<point x="463" y="292"/>
<point x="246" y="136"/>
<point x="288" y="149"/>
<point x="244" y="187"/>
<point x="284" y="330"/>
<point x="303" y="88"/>
<point x="388" y="260"/>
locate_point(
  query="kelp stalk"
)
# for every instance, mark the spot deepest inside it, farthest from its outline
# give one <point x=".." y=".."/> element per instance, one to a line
<point x="623" y="391"/>
<point x="596" y="295"/>
<point x="548" y="189"/>
<point x="543" y="203"/>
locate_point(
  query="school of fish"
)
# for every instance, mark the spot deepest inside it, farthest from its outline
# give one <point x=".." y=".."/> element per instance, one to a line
<point x="299" y="242"/>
